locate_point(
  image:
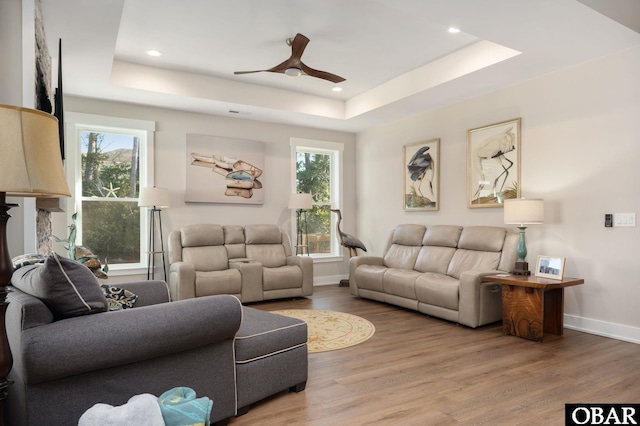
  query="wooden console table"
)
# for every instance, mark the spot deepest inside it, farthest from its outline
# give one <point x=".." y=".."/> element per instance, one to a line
<point x="532" y="305"/>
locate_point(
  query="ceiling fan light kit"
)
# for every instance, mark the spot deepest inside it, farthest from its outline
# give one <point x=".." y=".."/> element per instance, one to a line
<point x="293" y="72"/>
<point x="294" y="65"/>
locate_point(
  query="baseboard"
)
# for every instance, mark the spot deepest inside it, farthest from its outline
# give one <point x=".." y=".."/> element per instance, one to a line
<point x="329" y="280"/>
<point x="603" y="328"/>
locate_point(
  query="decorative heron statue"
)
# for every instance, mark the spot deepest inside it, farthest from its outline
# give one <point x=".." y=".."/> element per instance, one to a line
<point x="346" y="240"/>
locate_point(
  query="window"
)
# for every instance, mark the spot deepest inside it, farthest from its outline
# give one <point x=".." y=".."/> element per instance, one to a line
<point x="111" y="163"/>
<point x="318" y="171"/>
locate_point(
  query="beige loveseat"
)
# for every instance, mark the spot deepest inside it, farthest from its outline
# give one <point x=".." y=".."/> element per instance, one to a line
<point x="252" y="262"/>
<point x="437" y="270"/>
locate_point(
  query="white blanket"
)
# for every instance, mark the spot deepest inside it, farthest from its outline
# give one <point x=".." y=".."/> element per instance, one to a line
<point x="140" y="410"/>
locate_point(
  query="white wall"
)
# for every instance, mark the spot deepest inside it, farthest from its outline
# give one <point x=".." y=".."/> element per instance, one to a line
<point x="580" y="152"/>
<point x="172" y="127"/>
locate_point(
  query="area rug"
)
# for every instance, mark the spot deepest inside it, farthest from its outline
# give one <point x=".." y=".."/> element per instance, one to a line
<point x="330" y="330"/>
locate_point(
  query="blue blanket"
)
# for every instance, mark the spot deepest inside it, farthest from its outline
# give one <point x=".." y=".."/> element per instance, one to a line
<point x="180" y="407"/>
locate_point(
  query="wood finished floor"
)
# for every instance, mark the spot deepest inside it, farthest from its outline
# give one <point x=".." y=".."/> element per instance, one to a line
<point x="418" y="370"/>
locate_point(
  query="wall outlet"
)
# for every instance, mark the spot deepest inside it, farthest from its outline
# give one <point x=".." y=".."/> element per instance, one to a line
<point x="624" y="219"/>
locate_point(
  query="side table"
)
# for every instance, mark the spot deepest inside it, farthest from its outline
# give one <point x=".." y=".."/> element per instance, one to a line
<point x="532" y="305"/>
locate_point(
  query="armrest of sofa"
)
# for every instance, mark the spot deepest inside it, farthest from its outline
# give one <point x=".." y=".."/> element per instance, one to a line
<point x="251" y="275"/>
<point x="148" y="292"/>
<point x="94" y="342"/>
<point x="305" y="263"/>
<point x="470" y="293"/>
<point x="182" y="281"/>
<point x="356" y="261"/>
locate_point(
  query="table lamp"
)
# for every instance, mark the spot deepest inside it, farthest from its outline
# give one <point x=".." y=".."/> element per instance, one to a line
<point x="156" y="198"/>
<point x="521" y="212"/>
<point x="30" y="166"/>
<point x="301" y="203"/>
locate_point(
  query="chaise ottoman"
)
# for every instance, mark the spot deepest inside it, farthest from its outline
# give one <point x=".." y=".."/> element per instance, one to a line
<point x="271" y="356"/>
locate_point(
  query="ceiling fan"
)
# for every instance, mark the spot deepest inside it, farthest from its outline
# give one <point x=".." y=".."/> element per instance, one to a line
<point x="294" y="65"/>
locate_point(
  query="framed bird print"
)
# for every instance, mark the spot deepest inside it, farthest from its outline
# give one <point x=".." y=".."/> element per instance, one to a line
<point x="422" y="175"/>
<point x="493" y="164"/>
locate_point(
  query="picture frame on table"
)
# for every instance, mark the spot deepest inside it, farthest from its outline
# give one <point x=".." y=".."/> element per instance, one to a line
<point x="550" y="267"/>
<point x="493" y="164"/>
<point x="421" y="171"/>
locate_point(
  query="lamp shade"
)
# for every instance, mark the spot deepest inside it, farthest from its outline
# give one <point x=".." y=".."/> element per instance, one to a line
<point x="30" y="158"/>
<point x="523" y="211"/>
<point x="300" y="201"/>
<point x="153" y="197"/>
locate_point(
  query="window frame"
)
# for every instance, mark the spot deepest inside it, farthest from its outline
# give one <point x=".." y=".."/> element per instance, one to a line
<point x="75" y="124"/>
<point x="335" y="151"/>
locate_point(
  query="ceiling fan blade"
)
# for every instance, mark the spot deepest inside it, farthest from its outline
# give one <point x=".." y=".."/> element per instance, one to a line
<point x="321" y="74"/>
<point x="248" y="72"/>
<point x="298" y="45"/>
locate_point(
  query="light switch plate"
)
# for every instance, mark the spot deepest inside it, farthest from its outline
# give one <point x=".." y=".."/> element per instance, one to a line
<point x="624" y="219"/>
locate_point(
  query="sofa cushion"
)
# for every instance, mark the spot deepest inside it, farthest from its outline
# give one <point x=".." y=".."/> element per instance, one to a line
<point x="67" y="287"/>
<point x="442" y="235"/>
<point x="370" y="277"/>
<point x="438" y="290"/>
<point x="434" y="259"/>
<point x="408" y="235"/>
<point x="483" y="238"/>
<point x="401" y="282"/>
<point x="205" y="234"/>
<point x="207" y="258"/>
<point x="281" y="278"/>
<point x="234" y="241"/>
<point x="472" y="260"/>
<point x="263" y="334"/>
<point x="270" y="255"/>
<point x="209" y="283"/>
<point x="401" y="256"/>
<point x="262" y="234"/>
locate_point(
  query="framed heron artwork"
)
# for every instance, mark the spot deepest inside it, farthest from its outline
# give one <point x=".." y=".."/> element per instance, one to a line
<point x="493" y="164"/>
<point x="422" y="175"/>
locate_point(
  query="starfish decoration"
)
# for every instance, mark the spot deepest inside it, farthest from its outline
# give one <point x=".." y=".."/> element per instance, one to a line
<point x="111" y="190"/>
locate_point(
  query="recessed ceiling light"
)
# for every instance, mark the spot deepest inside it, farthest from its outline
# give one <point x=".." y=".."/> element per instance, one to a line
<point x="337" y="89"/>
<point x="154" y="53"/>
<point x="454" y="30"/>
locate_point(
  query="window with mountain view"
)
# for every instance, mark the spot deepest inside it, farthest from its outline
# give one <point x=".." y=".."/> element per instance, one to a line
<point x="110" y="216"/>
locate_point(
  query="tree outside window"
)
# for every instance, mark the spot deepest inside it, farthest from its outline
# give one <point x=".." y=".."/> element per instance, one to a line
<point x="110" y="216"/>
<point x="313" y="175"/>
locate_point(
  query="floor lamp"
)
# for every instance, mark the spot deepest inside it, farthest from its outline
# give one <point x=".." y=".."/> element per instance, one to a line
<point x="301" y="203"/>
<point x="521" y="212"/>
<point x="156" y="198"/>
<point x="30" y="166"/>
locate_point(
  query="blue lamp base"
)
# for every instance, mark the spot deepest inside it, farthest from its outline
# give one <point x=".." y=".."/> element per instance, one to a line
<point x="522" y="267"/>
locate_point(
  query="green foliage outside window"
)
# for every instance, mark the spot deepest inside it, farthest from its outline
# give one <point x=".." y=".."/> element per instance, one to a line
<point x="313" y="175"/>
<point x="110" y="171"/>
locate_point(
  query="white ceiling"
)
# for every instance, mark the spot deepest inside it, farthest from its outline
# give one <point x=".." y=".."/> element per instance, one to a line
<point x="396" y="55"/>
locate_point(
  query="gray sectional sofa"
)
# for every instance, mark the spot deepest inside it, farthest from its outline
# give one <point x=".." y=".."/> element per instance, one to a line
<point x="65" y="360"/>
<point x="437" y="270"/>
<point x="252" y="262"/>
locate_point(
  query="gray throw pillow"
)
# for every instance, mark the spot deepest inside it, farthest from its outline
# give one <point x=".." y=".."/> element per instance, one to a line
<point x="68" y="288"/>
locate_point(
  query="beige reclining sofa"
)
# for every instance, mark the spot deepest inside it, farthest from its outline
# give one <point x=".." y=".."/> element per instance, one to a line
<point x="252" y="262"/>
<point x="437" y="270"/>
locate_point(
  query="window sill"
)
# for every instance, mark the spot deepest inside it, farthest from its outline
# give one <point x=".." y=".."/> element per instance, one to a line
<point x="121" y="270"/>
<point x="327" y="259"/>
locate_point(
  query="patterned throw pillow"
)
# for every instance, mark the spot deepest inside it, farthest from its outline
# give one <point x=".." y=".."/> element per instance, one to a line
<point x="68" y="288"/>
<point x="27" y="259"/>
<point x="118" y="298"/>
